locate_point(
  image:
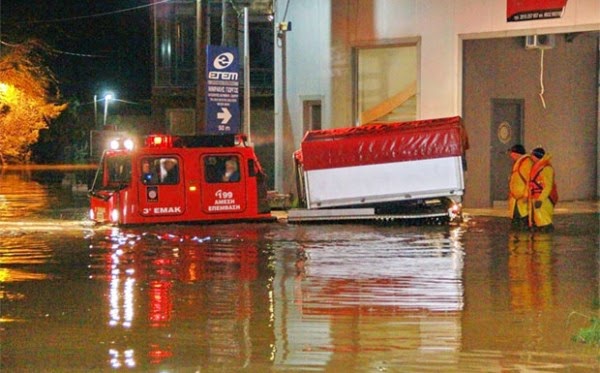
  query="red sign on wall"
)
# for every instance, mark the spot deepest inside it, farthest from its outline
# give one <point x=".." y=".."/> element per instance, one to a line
<point x="529" y="10"/>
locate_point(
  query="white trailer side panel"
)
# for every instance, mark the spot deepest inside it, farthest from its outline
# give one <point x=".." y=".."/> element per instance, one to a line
<point x="386" y="182"/>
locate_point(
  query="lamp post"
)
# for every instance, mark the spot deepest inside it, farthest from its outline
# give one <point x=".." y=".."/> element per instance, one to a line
<point x="107" y="98"/>
<point x="96" y="111"/>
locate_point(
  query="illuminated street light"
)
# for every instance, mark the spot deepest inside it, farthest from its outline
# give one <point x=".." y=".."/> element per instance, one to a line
<point x="107" y="97"/>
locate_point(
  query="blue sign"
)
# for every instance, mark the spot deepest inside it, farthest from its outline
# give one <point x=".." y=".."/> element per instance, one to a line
<point x="222" y="90"/>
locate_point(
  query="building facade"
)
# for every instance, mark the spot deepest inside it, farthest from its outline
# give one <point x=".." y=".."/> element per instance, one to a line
<point x="349" y="62"/>
<point x="175" y="67"/>
<point x="181" y="31"/>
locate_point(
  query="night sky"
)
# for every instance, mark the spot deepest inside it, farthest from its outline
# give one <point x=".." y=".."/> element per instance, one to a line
<point x="123" y="42"/>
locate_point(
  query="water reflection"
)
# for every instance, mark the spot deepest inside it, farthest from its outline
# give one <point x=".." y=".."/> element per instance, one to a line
<point x="20" y="259"/>
<point x="20" y="196"/>
<point x="379" y="297"/>
<point x="306" y="299"/>
<point x="530" y="271"/>
<point x="521" y="289"/>
<point x="34" y="195"/>
<point x="205" y="287"/>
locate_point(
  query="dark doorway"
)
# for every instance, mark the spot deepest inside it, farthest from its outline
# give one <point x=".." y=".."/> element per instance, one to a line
<point x="312" y="115"/>
<point x="506" y="127"/>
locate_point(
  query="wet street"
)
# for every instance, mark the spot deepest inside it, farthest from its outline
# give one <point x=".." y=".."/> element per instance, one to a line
<point x="277" y="297"/>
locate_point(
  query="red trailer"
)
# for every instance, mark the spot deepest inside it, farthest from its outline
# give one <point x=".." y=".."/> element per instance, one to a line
<point x="179" y="179"/>
<point x="394" y="170"/>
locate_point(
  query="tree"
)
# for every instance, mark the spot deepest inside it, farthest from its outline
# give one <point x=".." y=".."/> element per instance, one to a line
<point x="29" y="99"/>
<point x="67" y="138"/>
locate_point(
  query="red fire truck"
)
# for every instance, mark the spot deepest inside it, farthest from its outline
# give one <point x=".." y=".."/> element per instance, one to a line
<point x="179" y="179"/>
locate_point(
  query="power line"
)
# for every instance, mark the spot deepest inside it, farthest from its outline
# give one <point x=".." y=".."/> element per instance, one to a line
<point x="116" y="99"/>
<point x="129" y="102"/>
<point x="66" y="19"/>
<point x="285" y="12"/>
<point x="57" y="51"/>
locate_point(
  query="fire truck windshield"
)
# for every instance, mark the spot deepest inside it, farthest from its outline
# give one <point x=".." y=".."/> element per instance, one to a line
<point x="114" y="172"/>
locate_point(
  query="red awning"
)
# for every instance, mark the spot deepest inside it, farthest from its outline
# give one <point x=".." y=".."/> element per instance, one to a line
<point x="528" y="10"/>
<point x="383" y="143"/>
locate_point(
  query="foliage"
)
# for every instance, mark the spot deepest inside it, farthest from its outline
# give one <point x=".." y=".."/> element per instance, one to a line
<point x="28" y="99"/>
<point x="66" y="140"/>
<point x="591" y="334"/>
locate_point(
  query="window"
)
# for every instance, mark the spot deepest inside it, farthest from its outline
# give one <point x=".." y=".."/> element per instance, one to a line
<point x="386" y="83"/>
<point x="311" y="115"/>
<point x="175" y="44"/>
<point x="160" y="171"/>
<point x="119" y="170"/>
<point x="222" y="169"/>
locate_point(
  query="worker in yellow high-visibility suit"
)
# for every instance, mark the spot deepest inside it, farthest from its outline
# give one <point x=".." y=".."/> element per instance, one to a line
<point x="518" y="197"/>
<point x="542" y="191"/>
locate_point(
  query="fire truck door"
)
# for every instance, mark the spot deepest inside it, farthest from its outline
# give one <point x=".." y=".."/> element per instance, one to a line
<point x="224" y="185"/>
<point x="162" y="189"/>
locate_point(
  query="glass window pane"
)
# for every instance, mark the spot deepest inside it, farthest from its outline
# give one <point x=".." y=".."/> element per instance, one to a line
<point x="222" y="169"/>
<point x="383" y="74"/>
<point x="160" y="171"/>
<point x="119" y="170"/>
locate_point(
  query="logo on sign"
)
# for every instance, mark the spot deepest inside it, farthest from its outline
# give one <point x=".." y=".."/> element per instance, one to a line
<point x="152" y="193"/>
<point x="223" y="60"/>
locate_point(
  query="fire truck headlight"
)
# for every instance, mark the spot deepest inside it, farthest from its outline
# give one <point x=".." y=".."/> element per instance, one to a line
<point x="92" y="215"/>
<point x="128" y="144"/>
<point x="114" y="215"/>
<point x="114" y="144"/>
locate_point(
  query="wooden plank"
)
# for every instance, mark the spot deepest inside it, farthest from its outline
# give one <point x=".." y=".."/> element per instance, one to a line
<point x="387" y="106"/>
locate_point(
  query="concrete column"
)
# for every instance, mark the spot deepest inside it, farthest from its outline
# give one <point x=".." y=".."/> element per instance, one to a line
<point x="279" y="97"/>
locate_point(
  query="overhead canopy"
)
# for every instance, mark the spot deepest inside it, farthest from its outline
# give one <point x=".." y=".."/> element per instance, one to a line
<point x="383" y="143"/>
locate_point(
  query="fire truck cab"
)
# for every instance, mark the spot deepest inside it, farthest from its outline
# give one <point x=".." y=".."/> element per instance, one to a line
<point x="179" y="179"/>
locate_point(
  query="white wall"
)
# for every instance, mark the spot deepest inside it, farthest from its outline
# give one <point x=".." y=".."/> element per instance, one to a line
<point x="304" y="71"/>
<point x="319" y="56"/>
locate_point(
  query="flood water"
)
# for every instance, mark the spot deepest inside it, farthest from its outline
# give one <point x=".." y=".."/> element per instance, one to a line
<point x="276" y="297"/>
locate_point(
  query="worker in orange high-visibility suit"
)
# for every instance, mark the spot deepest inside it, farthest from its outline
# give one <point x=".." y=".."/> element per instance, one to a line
<point x="542" y="191"/>
<point x="518" y="194"/>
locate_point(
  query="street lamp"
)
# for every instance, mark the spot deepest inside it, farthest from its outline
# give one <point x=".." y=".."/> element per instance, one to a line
<point x="107" y="98"/>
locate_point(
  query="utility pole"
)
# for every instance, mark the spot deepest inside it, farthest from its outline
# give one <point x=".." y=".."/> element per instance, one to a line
<point x="95" y="111"/>
<point x="200" y="67"/>
<point x="229" y="24"/>
<point x="247" y="76"/>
